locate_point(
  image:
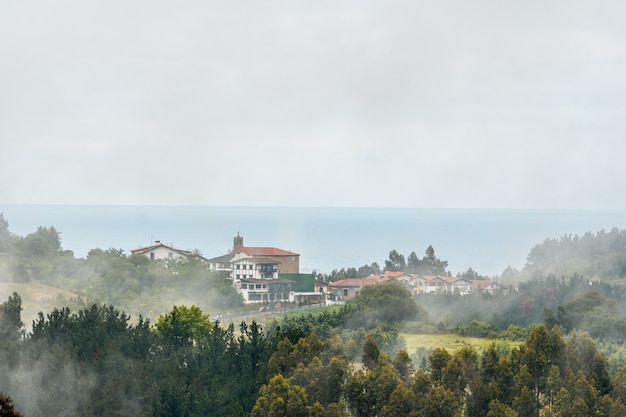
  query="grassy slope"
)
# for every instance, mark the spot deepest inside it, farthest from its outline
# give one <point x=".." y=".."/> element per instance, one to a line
<point x="451" y="342"/>
<point x="36" y="297"/>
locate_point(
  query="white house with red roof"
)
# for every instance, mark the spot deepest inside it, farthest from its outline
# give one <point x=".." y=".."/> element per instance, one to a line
<point x="487" y="286"/>
<point x="161" y="251"/>
<point x="458" y="285"/>
<point x="416" y="284"/>
<point x="350" y="287"/>
<point x="429" y="284"/>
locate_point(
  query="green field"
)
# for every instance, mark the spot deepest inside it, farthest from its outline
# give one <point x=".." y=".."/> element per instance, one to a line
<point x="451" y="342"/>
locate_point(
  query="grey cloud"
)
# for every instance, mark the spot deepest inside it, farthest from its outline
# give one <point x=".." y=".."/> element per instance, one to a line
<point x="345" y="103"/>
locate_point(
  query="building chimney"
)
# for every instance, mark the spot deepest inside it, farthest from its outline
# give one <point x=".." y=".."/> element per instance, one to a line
<point x="237" y="241"/>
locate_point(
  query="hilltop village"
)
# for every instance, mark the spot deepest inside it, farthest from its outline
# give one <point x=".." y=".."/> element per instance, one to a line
<point x="364" y="358"/>
<point x="269" y="274"/>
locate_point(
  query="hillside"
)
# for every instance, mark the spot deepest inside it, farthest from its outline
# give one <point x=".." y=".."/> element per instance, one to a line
<point x="38" y="297"/>
<point x="597" y="256"/>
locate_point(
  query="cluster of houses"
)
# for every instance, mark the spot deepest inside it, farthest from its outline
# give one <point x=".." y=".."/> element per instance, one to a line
<point x="268" y="274"/>
<point x="260" y="274"/>
<point x="416" y="284"/>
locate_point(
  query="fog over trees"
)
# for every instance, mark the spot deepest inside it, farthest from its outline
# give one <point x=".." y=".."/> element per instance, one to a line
<point x="141" y="340"/>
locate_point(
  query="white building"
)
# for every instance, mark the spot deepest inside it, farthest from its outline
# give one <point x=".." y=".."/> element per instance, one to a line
<point x="264" y="290"/>
<point x="162" y="251"/>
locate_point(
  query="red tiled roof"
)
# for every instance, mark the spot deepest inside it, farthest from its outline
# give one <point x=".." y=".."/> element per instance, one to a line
<point x="376" y="279"/>
<point x="394" y="274"/>
<point x="261" y="251"/>
<point x="360" y="282"/>
<point x="452" y="279"/>
<point x="481" y="284"/>
<point x="433" y="277"/>
<point x="348" y="282"/>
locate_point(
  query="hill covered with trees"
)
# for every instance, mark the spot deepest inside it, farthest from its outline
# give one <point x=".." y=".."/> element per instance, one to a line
<point x="597" y="256"/>
<point x="102" y="355"/>
<point x="130" y="282"/>
<point x="92" y="362"/>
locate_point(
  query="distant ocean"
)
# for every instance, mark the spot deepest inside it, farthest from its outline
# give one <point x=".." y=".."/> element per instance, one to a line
<point x="326" y="238"/>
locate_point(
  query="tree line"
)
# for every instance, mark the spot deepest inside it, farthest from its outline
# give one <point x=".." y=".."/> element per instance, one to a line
<point x="94" y="362"/>
<point x="429" y="264"/>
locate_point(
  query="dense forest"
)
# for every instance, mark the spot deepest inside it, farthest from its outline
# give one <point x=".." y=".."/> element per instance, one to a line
<point x="90" y="358"/>
<point x="94" y="363"/>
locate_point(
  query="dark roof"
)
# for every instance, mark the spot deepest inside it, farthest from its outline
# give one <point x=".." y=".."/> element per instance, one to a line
<point x="266" y="281"/>
<point x="146" y="249"/>
<point x="224" y="258"/>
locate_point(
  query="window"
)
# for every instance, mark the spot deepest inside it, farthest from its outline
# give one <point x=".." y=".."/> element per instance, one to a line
<point x="238" y="266"/>
<point x="345" y="292"/>
<point x="170" y="255"/>
<point x="264" y="286"/>
<point x="258" y="286"/>
<point x="244" y="286"/>
<point x="151" y="255"/>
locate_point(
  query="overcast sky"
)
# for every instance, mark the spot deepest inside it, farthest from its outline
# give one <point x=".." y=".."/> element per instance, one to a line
<point x="473" y="104"/>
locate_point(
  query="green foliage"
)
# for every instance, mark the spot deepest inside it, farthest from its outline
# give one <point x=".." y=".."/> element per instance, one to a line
<point x="440" y="402"/>
<point x="478" y="328"/>
<point x="427" y="265"/>
<point x="183" y="325"/>
<point x="370" y="352"/>
<point x="97" y="361"/>
<point x="404" y="366"/>
<point x="593" y="313"/>
<point x="11" y="317"/>
<point x="395" y="262"/>
<point x="369" y="391"/>
<point x="600" y="255"/>
<point x="187" y="365"/>
<point x="11" y="330"/>
<point x="438" y="359"/>
<point x="361" y="272"/>
<point x="134" y="283"/>
<point x="470" y="274"/>
<point x="498" y="409"/>
<point x="44" y="243"/>
<point x="402" y="403"/>
<point x="280" y="399"/>
<point x="6" y="237"/>
<point x="388" y="302"/>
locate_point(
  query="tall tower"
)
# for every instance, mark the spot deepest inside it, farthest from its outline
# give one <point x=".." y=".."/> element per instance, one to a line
<point x="237" y="241"/>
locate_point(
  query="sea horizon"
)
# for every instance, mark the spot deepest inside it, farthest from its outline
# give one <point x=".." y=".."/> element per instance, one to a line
<point x="327" y="238"/>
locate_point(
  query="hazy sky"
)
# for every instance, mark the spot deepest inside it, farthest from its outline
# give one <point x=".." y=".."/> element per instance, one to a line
<point x="472" y="104"/>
